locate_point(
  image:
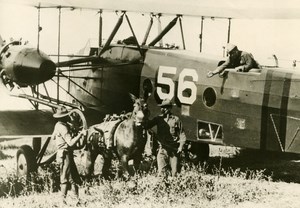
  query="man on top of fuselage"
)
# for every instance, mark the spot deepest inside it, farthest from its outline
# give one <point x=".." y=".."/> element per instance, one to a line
<point x="241" y="61"/>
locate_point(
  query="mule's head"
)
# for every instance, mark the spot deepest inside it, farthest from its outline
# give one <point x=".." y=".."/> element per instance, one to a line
<point x="140" y="110"/>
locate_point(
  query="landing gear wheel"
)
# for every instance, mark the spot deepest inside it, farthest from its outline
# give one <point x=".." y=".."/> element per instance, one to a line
<point x="78" y="123"/>
<point x="26" y="162"/>
<point x="198" y="152"/>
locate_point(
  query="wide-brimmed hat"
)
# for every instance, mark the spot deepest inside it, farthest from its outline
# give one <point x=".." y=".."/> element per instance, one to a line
<point x="165" y="102"/>
<point x="230" y="47"/>
<point x="61" y="112"/>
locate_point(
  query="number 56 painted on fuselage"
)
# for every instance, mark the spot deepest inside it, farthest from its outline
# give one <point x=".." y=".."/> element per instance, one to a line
<point x="186" y="91"/>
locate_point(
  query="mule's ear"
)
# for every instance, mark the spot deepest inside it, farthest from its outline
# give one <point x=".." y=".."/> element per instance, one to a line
<point x="132" y="96"/>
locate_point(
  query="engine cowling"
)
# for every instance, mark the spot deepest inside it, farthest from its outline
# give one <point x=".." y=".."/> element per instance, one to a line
<point x="25" y="66"/>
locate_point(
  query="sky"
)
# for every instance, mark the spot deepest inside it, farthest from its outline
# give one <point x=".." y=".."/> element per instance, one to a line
<point x="261" y="37"/>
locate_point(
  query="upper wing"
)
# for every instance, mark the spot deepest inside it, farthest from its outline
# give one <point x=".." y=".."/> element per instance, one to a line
<point x="254" y="9"/>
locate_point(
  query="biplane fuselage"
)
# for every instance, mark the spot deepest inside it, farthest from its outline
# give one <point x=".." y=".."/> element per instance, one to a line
<point x="258" y="110"/>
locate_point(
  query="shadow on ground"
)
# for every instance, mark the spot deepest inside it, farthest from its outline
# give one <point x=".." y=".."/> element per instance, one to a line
<point x="280" y="166"/>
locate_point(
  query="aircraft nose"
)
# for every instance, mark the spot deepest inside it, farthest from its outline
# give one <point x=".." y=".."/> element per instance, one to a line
<point x="47" y="70"/>
<point x="26" y="66"/>
<point x="33" y="67"/>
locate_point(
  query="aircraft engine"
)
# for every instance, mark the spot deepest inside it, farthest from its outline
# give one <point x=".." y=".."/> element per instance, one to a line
<point x="25" y="66"/>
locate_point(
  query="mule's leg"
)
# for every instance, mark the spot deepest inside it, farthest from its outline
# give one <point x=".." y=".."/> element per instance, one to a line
<point x="107" y="157"/>
<point x="91" y="156"/>
<point x="136" y="162"/>
<point x="124" y="166"/>
<point x="105" y="169"/>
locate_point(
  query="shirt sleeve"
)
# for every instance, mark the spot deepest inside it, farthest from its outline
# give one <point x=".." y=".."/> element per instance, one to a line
<point x="222" y="67"/>
<point x="64" y="132"/>
<point x="181" y="133"/>
<point x="247" y="61"/>
<point x="151" y="123"/>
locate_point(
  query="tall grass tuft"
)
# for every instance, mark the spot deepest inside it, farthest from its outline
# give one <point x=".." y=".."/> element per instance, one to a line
<point x="11" y="186"/>
<point x="46" y="180"/>
<point x="193" y="187"/>
<point x="4" y="156"/>
<point x="190" y="187"/>
<point x="8" y="146"/>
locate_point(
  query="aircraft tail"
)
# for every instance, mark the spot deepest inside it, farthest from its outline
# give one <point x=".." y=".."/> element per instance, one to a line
<point x="1" y="41"/>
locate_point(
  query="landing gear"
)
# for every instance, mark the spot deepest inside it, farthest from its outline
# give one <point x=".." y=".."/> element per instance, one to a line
<point x="26" y="162"/>
<point x="197" y="152"/>
<point x="36" y="145"/>
<point x="29" y="159"/>
<point x="78" y="123"/>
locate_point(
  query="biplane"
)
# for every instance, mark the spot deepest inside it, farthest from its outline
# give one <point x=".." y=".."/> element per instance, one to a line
<point x="258" y="109"/>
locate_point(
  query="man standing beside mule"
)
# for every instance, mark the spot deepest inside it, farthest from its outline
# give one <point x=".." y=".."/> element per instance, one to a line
<point x="64" y="157"/>
<point x="171" y="138"/>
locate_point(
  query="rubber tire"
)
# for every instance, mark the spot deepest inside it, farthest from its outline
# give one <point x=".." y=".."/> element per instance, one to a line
<point x="36" y="145"/>
<point x="82" y="142"/>
<point x="26" y="161"/>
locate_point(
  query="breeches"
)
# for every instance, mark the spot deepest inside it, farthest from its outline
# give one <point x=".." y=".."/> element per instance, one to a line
<point x="165" y="158"/>
<point x="68" y="170"/>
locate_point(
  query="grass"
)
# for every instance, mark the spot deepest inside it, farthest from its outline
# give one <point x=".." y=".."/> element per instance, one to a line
<point x="193" y="187"/>
<point x="8" y="146"/>
<point x="213" y="185"/>
<point x="4" y="156"/>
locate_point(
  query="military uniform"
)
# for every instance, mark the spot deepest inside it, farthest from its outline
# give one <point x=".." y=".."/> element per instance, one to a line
<point x="171" y="138"/>
<point x="64" y="156"/>
<point x="243" y="59"/>
<point x="68" y="171"/>
<point x="239" y="60"/>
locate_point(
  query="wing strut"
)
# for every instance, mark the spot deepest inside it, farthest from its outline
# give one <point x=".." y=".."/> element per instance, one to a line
<point x="112" y="35"/>
<point x="161" y="43"/>
<point x="165" y="31"/>
<point x="181" y="30"/>
<point x="135" y="39"/>
<point x="39" y="27"/>
<point x="100" y="28"/>
<point x="229" y="27"/>
<point x="148" y="30"/>
<point x="115" y="30"/>
<point x="201" y="33"/>
<point x="58" y="51"/>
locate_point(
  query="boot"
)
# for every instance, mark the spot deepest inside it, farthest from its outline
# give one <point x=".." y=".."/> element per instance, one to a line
<point x="75" y="190"/>
<point x="64" y="191"/>
<point x="76" y="194"/>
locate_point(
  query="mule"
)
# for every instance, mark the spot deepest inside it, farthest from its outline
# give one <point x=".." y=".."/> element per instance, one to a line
<point x="128" y="139"/>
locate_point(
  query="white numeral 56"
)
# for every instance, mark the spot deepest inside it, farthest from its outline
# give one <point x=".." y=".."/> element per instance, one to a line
<point x="164" y="78"/>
